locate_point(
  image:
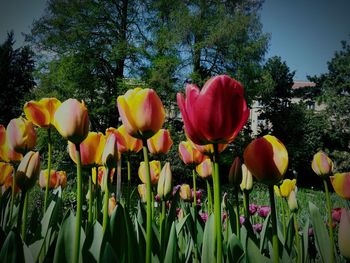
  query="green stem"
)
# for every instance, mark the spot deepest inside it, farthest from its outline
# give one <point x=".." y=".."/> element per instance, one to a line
<point x="246" y="204"/>
<point x="162" y="217"/>
<point x="149" y="204"/>
<point x="24" y="217"/>
<point x="274" y="225"/>
<point x="12" y="195"/>
<point x="105" y="201"/>
<point x="79" y="205"/>
<point x="49" y="145"/>
<point x="129" y="180"/>
<point x="209" y="199"/>
<point x="297" y="237"/>
<point x="237" y="214"/>
<point x="20" y="212"/>
<point x="194" y="188"/>
<point x="330" y="221"/>
<point x="283" y="219"/>
<point x="217" y="205"/>
<point x="90" y="218"/>
<point x="195" y="215"/>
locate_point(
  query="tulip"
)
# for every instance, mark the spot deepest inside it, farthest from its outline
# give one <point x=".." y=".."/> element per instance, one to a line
<point x="252" y="209"/>
<point x="110" y="155"/>
<point x="155" y="172"/>
<point x="141" y="188"/>
<point x="185" y="192"/>
<point x="287" y="187"/>
<point x="21" y="135"/>
<point x="292" y="201"/>
<point x="257" y="227"/>
<point x="209" y="148"/>
<point x="277" y="191"/>
<point x="127" y="143"/>
<point x="235" y="174"/>
<point x="165" y="187"/>
<point x="336" y="214"/>
<point x="267" y="159"/>
<point x="341" y="184"/>
<point x="161" y="142"/>
<point x="62" y="178"/>
<point x="322" y="165"/>
<point x="72" y="120"/>
<point x="8" y="184"/>
<point x="264" y="211"/>
<point x="90" y="149"/>
<point x="6" y="170"/>
<point x="142" y="112"/>
<point x="205" y="168"/>
<point x="112" y="203"/>
<point x="344" y="234"/>
<point x="42" y="112"/>
<point x="7" y="154"/>
<point x="189" y="154"/>
<point x="28" y="171"/>
<point x="54" y="180"/>
<point x="247" y="179"/>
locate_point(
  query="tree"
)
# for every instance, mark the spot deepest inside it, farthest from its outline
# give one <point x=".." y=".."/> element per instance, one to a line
<point x="16" y="78"/>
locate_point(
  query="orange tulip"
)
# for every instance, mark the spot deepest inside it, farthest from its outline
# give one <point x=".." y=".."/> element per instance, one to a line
<point x="142" y="112"/>
<point x="21" y="135"/>
<point x="6" y="170"/>
<point x="62" y="178"/>
<point x="216" y="113"/>
<point x="267" y="159"/>
<point x="189" y="154"/>
<point x="72" y="121"/>
<point x="42" y="112"/>
<point x="161" y="142"/>
<point x="127" y="143"/>
<point x="205" y="168"/>
<point x="54" y="180"/>
<point x="185" y="192"/>
<point x="155" y="172"/>
<point x="322" y="165"/>
<point x="28" y="170"/>
<point x="341" y="184"/>
<point x="90" y="149"/>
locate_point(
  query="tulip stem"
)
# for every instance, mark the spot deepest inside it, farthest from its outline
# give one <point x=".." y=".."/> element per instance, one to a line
<point x="90" y="219"/>
<point x="217" y="204"/>
<point x="195" y="215"/>
<point x="12" y="195"/>
<point x="162" y="241"/>
<point x="79" y="206"/>
<point x="209" y="198"/>
<point x="49" y="145"/>
<point x="194" y="188"/>
<point x="20" y="213"/>
<point x="246" y="204"/>
<point x="297" y="238"/>
<point x="274" y="225"/>
<point x="149" y="204"/>
<point x="283" y="218"/>
<point x="237" y="214"/>
<point x="105" y="200"/>
<point x="129" y="181"/>
<point x="330" y="221"/>
<point x="24" y="217"/>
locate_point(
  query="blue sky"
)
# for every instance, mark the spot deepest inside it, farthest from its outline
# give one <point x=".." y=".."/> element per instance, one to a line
<point x="305" y="33"/>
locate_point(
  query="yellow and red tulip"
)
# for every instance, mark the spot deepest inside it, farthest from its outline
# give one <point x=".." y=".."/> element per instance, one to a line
<point x="72" y="120"/>
<point x="42" y="112"/>
<point x="155" y="172"/>
<point x="21" y="135"/>
<point x="322" y="165"/>
<point x="189" y="154"/>
<point x="341" y="184"/>
<point x="165" y="186"/>
<point x="110" y="155"/>
<point x="142" y="112"/>
<point x="344" y="234"/>
<point x="6" y="152"/>
<point x="8" y="184"/>
<point x="161" y="142"/>
<point x="185" y="192"/>
<point x="205" y="168"/>
<point x="127" y="143"/>
<point x="54" y="181"/>
<point x="28" y="170"/>
<point x="6" y="170"/>
<point x="221" y="95"/>
<point x="90" y="149"/>
<point x="267" y="159"/>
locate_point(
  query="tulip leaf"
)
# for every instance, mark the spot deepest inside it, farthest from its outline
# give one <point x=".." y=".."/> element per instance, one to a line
<point x="132" y="242"/>
<point x="140" y="238"/>
<point x="208" y="248"/>
<point x="118" y="234"/>
<point x="171" y="251"/>
<point x="321" y="234"/>
<point x="181" y="224"/>
<point x="265" y="233"/>
<point x="108" y="254"/>
<point x="92" y="244"/>
<point x="12" y="249"/>
<point x="306" y="240"/>
<point x="289" y="242"/>
<point x="235" y="252"/>
<point x="253" y="253"/>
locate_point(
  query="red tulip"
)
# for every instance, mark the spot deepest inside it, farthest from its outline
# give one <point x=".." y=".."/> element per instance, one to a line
<point x="110" y="155"/>
<point x="161" y="142"/>
<point x="216" y="113"/>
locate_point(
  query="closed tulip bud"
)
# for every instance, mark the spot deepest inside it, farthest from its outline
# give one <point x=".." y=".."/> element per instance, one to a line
<point x="110" y="155"/>
<point x="287" y="187"/>
<point x="341" y="184"/>
<point x="267" y="159"/>
<point x="6" y="170"/>
<point x="344" y="234"/>
<point x="154" y="169"/>
<point x="247" y="179"/>
<point x="141" y="188"/>
<point x="322" y="165"/>
<point x="205" y="168"/>
<point x="112" y="203"/>
<point x="235" y="174"/>
<point x="72" y="121"/>
<point x="292" y="201"/>
<point x="62" y="178"/>
<point x="142" y="112"/>
<point x="185" y="192"/>
<point x="42" y="112"/>
<point x="21" y="135"/>
<point x="165" y="184"/>
<point x="90" y="149"/>
<point x="189" y="154"/>
<point x="54" y="180"/>
<point x="127" y="143"/>
<point x="161" y="142"/>
<point x="28" y="171"/>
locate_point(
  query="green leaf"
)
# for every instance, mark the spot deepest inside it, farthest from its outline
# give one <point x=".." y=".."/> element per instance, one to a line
<point x="208" y="248"/>
<point x="92" y="245"/>
<point x="265" y="234"/>
<point x="171" y="251"/>
<point x="108" y="254"/>
<point x="321" y="234"/>
<point x="235" y="250"/>
<point x="253" y="253"/>
<point x="12" y="250"/>
<point x="181" y="224"/>
<point x="132" y="242"/>
<point x="306" y="240"/>
<point x="289" y="242"/>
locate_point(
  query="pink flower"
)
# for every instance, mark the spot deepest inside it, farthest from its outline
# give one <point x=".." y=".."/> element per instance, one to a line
<point x="204" y="216"/>
<point x="263" y="211"/>
<point x="241" y="220"/>
<point x="257" y="228"/>
<point x="336" y="214"/>
<point x="253" y="208"/>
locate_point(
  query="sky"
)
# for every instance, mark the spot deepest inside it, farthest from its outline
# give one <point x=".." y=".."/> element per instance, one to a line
<point x="304" y="33"/>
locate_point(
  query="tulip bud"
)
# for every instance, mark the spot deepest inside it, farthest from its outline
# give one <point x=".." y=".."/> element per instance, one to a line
<point x="154" y="169"/>
<point x="28" y="171"/>
<point x="6" y="170"/>
<point x="72" y="121"/>
<point x="161" y="142"/>
<point x="287" y="187"/>
<point x="54" y="181"/>
<point x="165" y="185"/>
<point x="185" y="192"/>
<point x="277" y="191"/>
<point x="21" y="135"/>
<point x="292" y="201"/>
<point x="344" y="234"/>
<point x="141" y="188"/>
<point x="235" y="174"/>
<point x="112" y="203"/>
<point x="110" y="155"/>
<point x="341" y="184"/>
<point x="247" y="179"/>
<point x="322" y="165"/>
<point x="205" y="168"/>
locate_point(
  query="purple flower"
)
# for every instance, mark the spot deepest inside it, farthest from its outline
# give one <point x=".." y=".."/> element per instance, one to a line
<point x="176" y="188"/>
<point x="241" y="219"/>
<point x="257" y="228"/>
<point x="204" y="216"/>
<point x="264" y="210"/>
<point x="157" y="198"/>
<point x="336" y="214"/>
<point x="253" y="208"/>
